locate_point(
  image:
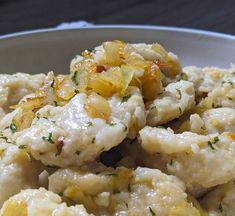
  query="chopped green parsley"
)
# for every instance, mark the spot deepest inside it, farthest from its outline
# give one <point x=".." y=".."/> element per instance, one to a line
<point x="179" y="94"/>
<point x="220" y="208"/>
<point x="74" y="78"/>
<point x="89" y="124"/>
<point x="22" y="146"/>
<point x="48" y="138"/>
<point x="152" y="212"/>
<point x="125" y="98"/>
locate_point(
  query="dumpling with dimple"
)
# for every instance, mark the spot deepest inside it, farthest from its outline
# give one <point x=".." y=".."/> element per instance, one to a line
<point x="189" y="155"/>
<point x="220" y="201"/>
<point x="39" y="202"/>
<point x="78" y="132"/>
<point x="211" y="121"/>
<point x="14" y="87"/>
<point x="17" y="170"/>
<point x="172" y="103"/>
<point x="124" y="191"/>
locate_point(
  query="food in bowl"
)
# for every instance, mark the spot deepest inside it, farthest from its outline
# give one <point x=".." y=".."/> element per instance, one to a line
<point x="127" y="132"/>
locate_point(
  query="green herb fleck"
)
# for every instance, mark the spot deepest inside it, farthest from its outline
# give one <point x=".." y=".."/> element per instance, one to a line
<point x="160" y="126"/>
<point x="216" y="105"/>
<point x="216" y="139"/>
<point x="38" y="116"/>
<point x="180" y="110"/>
<point x="55" y="102"/>
<point x="211" y="145"/>
<point x="116" y="191"/>
<point x="74" y="78"/>
<point x="111" y="174"/>
<point x="89" y="124"/>
<point x="125" y="127"/>
<point x="22" y="146"/>
<point x="171" y="162"/>
<point x="93" y="140"/>
<point x="76" y="91"/>
<point x="220" y="208"/>
<point x="126" y="204"/>
<point x="48" y="138"/>
<point x="179" y="94"/>
<point x="5" y="138"/>
<point x="13" y="128"/>
<point x="230" y="98"/>
<point x="77" y="152"/>
<point x="112" y="123"/>
<point x="125" y="98"/>
<point x="61" y="194"/>
<point x="153" y="107"/>
<point x="129" y="187"/>
<point x="152" y="212"/>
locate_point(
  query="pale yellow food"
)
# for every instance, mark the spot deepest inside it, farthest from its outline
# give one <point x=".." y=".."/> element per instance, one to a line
<point x="177" y="98"/>
<point x="211" y="121"/>
<point x="189" y="156"/>
<point x="39" y="202"/>
<point x="17" y="170"/>
<point x="14" y="87"/>
<point x="124" y="192"/>
<point x="86" y="136"/>
<point x="69" y="136"/>
<point x="220" y="202"/>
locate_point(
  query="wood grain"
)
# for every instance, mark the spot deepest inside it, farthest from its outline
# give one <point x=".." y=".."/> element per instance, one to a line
<point x="214" y="15"/>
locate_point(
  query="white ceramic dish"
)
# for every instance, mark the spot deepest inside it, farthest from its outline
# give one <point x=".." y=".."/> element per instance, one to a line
<point x="52" y="49"/>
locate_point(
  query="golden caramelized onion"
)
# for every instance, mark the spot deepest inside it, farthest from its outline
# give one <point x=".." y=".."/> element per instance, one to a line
<point x="97" y="107"/>
<point x="167" y="65"/>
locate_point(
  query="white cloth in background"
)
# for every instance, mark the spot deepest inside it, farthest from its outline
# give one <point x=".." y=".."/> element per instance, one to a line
<point x="75" y="24"/>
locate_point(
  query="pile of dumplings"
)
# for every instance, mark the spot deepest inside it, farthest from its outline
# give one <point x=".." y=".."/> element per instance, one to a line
<point x="127" y="132"/>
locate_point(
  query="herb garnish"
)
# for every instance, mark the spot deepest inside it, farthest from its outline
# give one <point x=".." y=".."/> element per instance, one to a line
<point x="76" y="91"/>
<point x="111" y="174"/>
<point x="115" y="191"/>
<point x="74" y="78"/>
<point x="77" y="152"/>
<point x="171" y="162"/>
<point x="220" y="208"/>
<point x="211" y="145"/>
<point x="125" y="98"/>
<point x="13" y="128"/>
<point x="22" y="146"/>
<point x="179" y="94"/>
<point x="93" y="140"/>
<point x="89" y="124"/>
<point x="48" y="139"/>
<point x="112" y="123"/>
<point x="129" y="187"/>
<point x="152" y="212"/>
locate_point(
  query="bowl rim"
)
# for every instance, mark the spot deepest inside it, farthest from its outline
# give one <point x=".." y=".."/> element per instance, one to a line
<point x="123" y="27"/>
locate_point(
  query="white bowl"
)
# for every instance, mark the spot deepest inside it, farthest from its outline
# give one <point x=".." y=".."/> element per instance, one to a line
<point x="52" y="49"/>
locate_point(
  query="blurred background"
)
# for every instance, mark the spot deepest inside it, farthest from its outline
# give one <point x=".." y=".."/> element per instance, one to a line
<point x="213" y="15"/>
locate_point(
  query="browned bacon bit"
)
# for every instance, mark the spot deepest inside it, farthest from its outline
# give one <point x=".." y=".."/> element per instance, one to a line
<point x="59" y="146"/>
<point x="204" y="94"/>
<point x="160" y="63"/>
<point x="100" y="68"/>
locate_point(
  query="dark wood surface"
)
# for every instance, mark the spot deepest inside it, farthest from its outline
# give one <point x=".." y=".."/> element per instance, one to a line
<point x="214" y="15"/>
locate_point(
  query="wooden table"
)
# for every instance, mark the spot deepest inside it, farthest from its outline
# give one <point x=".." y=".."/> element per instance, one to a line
<point x="214" y="15"/>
